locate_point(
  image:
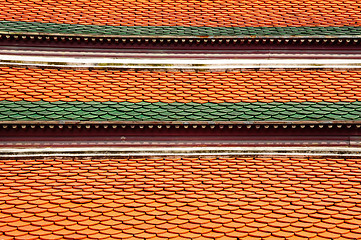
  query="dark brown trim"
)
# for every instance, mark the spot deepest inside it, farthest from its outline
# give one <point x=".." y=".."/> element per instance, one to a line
<point x="180" y="134"/>
<point x="186" y="43"/>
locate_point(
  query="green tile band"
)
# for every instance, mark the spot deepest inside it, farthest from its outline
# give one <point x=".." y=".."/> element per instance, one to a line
<point x="35" y="27"/>
<point x="145" y="111"/>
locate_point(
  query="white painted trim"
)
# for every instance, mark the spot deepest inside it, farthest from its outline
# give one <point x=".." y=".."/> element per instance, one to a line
<point x="174" y="63"/>
<point x="180" y="151"/>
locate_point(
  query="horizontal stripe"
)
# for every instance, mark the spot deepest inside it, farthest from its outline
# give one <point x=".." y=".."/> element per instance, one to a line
<point x="145" y="111"/>
<point x="55" y="28"/>
<point x="50" y="85"/>
<point x="168" y="63"/>
<point x="172" y="54"/>
<point x="217" y="13"/>
<point x="181" y="151"/>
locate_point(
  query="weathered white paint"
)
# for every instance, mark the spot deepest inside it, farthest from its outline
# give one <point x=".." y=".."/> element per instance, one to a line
<point x="180" y="151"/>
<point x="175" y="63"/>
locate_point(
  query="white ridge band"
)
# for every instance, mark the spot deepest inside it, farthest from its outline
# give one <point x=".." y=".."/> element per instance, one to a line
<point x="180" y="151"/>
<point x="175" y="63"/>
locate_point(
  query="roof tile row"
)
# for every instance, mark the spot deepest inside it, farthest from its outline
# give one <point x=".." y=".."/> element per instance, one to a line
<point x="18" y="84"/>
<point x="180" y="198"/>
<point x="219" y="13"/>
<point x="21" y="27"/>
<point x="144" y="111"/>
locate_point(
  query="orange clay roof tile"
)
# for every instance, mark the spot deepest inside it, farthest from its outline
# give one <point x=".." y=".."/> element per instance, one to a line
<point x="219" y="216"/>
<point x="186" y="13"/>
<point x="15" y="87"/>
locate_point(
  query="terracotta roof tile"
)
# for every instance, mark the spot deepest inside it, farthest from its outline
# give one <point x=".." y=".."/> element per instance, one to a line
<point x="247" y="217"/>
<point x="143" y="85"/>
<point x="218" y="13"/>
<point x="209" y="96"/>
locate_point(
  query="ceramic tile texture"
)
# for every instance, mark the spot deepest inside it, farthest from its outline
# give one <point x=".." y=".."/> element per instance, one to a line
<point x="159" y="111"/>
<point x="180" y="198"/>
<point x="20" y="27"/>
<point x="197" y="86"/>
<point x="218" y="13"/>
<point x="116" y="95"/>
<point x="177" y="17"/>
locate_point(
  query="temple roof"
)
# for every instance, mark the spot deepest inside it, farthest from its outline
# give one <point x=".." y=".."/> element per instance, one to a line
<point x="161" y="119"/>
